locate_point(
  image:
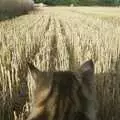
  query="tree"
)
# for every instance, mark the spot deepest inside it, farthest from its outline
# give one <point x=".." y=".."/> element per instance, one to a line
<point x="79" y="2"/>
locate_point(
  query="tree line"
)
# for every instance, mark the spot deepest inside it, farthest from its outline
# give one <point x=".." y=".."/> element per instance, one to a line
<point x="80" y="2"/>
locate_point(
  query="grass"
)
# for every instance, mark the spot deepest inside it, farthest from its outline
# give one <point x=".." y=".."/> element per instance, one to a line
<point x="60" y="38"/>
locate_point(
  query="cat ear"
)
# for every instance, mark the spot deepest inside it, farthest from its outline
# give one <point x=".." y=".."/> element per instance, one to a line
<point x="87" y="71"/>
<point x="85" y="74"/>
<point x="88" y="66"/>
<point x="40" y="78"/>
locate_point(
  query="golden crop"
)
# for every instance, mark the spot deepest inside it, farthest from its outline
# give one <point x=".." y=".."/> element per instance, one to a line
<point x="60" y="38"/>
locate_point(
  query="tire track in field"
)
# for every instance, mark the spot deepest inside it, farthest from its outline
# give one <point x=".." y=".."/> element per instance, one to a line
<point x="35" y="48"/>
<point x="48" y="24"/>
<point x="69" y="47"/>
<point x="63" y="56"/>
<point x="55" y="61"/>
<point x="44" y="41"/>
<point x="47" y="55"/>
<point x="53" y="64"/>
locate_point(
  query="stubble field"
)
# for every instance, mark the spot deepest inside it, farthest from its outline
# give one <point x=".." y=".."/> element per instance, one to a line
<point x="60" y="38"/>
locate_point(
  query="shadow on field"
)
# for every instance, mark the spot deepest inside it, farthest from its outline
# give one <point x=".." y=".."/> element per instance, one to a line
<point x="9" y="15"/>
<point x="108" y="93"/>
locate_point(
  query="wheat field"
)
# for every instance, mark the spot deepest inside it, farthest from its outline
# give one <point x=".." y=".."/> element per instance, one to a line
<point x="60" y="38"/>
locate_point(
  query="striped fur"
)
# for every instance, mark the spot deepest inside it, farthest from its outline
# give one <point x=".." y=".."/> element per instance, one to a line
<point x="64" y="95"/>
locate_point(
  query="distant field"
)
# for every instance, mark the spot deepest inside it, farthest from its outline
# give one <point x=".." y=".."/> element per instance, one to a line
<point x="60" y="38"/>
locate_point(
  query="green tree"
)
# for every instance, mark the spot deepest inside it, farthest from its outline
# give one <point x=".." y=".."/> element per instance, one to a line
<point x="79" y="2"/>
